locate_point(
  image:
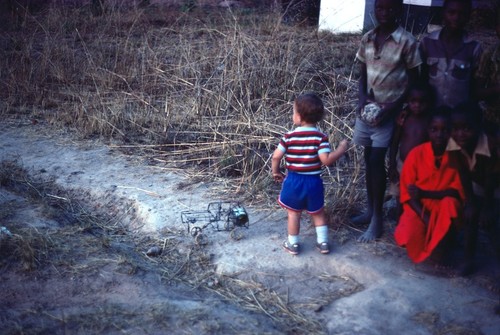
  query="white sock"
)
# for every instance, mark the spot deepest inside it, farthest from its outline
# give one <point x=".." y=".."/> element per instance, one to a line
<point x="293" y="239"/>
<point x="322" y="234"/>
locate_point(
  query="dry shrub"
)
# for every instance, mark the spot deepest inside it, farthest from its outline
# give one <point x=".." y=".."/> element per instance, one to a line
<point x="32" y="246"/>
<point x="210" y="89"/>
<point x="26" y="246"/>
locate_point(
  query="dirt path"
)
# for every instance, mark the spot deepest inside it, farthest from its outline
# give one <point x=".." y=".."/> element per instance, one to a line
<point x="357" y="289"/>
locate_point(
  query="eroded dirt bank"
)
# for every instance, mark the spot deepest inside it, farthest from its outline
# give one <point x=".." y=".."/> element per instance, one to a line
<point x="91" y="273"/>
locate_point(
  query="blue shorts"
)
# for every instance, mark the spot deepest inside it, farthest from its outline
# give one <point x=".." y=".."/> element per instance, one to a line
<point x="377" y="137"/>
<point x="302" y="192"/>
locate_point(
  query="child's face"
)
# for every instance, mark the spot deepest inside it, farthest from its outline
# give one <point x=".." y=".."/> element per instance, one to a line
<point x="386" y="11"/>
<point x="463" y="132"/>
<point x="439" y="132"/>
<point x="418" y="102"/>
<point x="455" y="15"/>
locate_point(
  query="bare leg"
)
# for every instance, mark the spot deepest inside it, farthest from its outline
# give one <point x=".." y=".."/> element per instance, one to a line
<point x="321" y="228"/>
<point x="319" y="219"/>
<point x="291" y="244"/>
<point x="366" y="217"/>
<point x="377" y="174"/>
<point x="293" y="222"/>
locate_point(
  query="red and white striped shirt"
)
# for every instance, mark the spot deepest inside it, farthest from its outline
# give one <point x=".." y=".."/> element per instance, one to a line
<point x="302" y="147"/>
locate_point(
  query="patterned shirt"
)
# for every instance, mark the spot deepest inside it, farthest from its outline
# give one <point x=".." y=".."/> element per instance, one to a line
<point x="302" y="147"/>
<point x="450" y="75"/>
<point x="387" y="68"/>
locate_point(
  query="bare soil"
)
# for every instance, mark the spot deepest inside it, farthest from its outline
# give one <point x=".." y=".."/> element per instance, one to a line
<point x="82" y="216"/>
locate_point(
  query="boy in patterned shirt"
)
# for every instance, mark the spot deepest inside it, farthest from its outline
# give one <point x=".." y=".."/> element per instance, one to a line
<point x="389" y="60"/>
<point x="305" y="150"/>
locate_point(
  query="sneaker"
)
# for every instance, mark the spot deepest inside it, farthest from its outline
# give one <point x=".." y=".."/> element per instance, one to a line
<point x="323" y="247"/>
<point x="291" y="248"/>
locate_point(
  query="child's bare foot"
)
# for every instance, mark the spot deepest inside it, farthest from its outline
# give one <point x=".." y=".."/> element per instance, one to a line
<point x="362" y="219"/>
<point x="374" y="231"/>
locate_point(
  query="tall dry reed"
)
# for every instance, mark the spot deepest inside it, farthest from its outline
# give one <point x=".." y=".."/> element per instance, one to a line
<point x="211" y="89"/>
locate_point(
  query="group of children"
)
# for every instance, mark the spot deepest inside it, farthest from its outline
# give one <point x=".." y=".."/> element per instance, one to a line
<point x="443" y="157"/>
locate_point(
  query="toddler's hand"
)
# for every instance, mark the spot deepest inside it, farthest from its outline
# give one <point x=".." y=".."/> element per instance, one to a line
<point x="278" y="177"/>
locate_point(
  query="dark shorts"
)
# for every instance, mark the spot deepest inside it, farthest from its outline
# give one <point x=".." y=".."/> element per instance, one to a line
<point x="302" y="192"/>
<point x="368" y="136"/>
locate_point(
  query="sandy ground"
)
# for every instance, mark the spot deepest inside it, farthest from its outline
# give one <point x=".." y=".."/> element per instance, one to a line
<point x="357" y="289"/>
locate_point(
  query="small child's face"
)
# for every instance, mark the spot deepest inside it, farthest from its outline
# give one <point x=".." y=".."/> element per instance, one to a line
<point x="462" y="132"/>
<point x="439" y="132"/>
<point x="455" y="15"/>
<point x="418" y="102"/>
<point x="386" y="11"/>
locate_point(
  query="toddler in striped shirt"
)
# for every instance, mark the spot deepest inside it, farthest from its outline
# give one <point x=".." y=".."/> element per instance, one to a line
<point x="305" y="149"/>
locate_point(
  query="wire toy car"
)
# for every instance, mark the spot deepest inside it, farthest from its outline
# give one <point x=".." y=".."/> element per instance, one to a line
<point x="221" y="215"/>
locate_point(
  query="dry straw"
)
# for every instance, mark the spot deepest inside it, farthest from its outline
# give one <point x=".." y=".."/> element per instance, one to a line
<point x="209" y="90"/>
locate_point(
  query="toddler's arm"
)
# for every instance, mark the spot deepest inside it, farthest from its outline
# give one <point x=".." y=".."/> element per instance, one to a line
<point x="275" y="165"/>
<point x="331" y="157"/>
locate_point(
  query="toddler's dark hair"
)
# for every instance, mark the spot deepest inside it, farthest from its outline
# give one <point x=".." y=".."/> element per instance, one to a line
<point x="310" y="107"/>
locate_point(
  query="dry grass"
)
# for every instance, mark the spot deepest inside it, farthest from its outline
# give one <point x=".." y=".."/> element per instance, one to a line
<point x="210" y="90"/>
<point x="35" y="247"/>
<point x="190" y="89"/>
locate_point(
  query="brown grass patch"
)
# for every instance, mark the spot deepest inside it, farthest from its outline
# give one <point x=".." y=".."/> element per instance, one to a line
<point x="204" y="89"/>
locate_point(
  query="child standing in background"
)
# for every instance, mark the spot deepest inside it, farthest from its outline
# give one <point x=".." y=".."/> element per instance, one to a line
<point x="389" y="61"/>
<point x="305" y="150"/>
<point x="450" y="57"/>
<point x="411" y="130"/>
